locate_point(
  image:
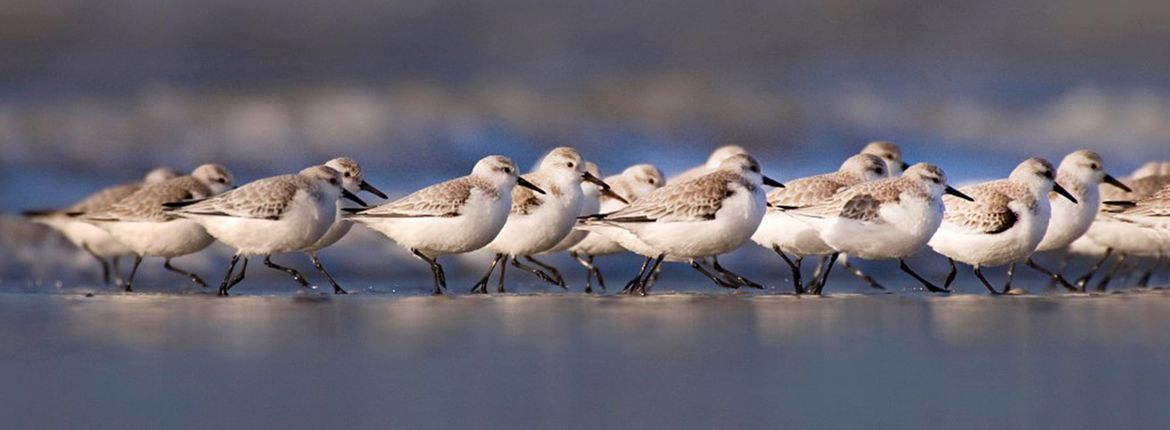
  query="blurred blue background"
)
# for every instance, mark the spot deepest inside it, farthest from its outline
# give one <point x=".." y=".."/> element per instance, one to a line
<point x="95" y="93"/>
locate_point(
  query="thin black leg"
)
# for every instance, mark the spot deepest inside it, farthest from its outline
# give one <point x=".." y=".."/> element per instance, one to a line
<point x="1104" y="284"/>
<point x="633" y="284"/>
<point x="858" y="273"/>
<point x="321" y="268"/>
<point x="929" y="286"/>
<point x="1144" y="281"/>
<point x="503" y="268"/>
<point x="719" y="282"/>
<point x="643" y="287"/>
<point x="734" y="276"/>
<point x="239" y="276"/>
<point x="820" y="281"/>
<point x="118" y="281"/>
<point x="133" y="271"/>
<point x="1011" y="273"/>
<point x="1083" y="281"/>
<point x="797" y="283"/>
<point x="979" y="274"/>
<point x="102" y="261"/>
<point x="950" y="273"/>
<point x="539" y="273"/>
<point x="481" y="286"/>
<point x="549" y="269"/>
<point x="436" y="271"/>
<point x="652" y="277"/>
<point x="223" y="286"/>
<point x="1053" y="277"/>
<point x="290" y="271"/>
<point x="194" y="278"/>
<point x="591" y="269"/>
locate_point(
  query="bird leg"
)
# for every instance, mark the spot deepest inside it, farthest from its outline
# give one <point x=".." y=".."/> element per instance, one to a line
<point x="194" y="278"/>
<point x="821" y="278"/>
<point x="633" y="284"/>
<point x="1083" y="281"/>
<point x="733" y="276"/>
<point x="292" y="272"/>
<point x="950" y="273"/>
<point x="539" y="273"/>
<point x="1101" y="286"/>
<point x="481" y="286"/>
<point x="979" y="274"/>
<point x="1053" y="277"/>
<point x="929" y="286"/>
<point x="586" y="260"/>
<point x="102" y="261"/>
<point x="548" y="268"/>
<point x="321" y="268"/>
<point x="436" y="271"/>
<point x="858" y="273"/>
<point x="797" y="283"/>
<point x="133" y="271"/>
<point x="719" y="282"/>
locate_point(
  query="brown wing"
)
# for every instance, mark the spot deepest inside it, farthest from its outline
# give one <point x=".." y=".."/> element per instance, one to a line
<point x="989" y="213"/>
<point x="146" y="204"/>
<point x="445" y="199"/>
<point x="806" y="191"/>
<point x="104" y="199"/>
<point x="267" y="198"/>
<point x="859" y="202"/>
<point x="693" y="200"/>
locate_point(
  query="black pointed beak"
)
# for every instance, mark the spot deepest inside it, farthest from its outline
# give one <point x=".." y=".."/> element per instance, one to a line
<point x="772" y="182"/>
<point x="952" y="191"/>
<point x="1060" y="190"/>
<point x="365" y="186"/>
<point x="614" y="195"/>
<point x="1109" y="179"/>
<point x="348" y="195"/>
<point x="524" y="183"/>
<point x="588" y="177"/>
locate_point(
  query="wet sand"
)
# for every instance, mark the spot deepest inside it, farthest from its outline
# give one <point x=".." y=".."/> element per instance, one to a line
<point x="573" y="361"/>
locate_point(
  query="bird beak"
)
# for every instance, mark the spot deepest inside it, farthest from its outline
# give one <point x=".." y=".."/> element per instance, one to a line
<point x="365" y="186"/>
<point x="613" y="195"/>
<point x="590" y="178"/>
<point x="1060" y="190"/>
<point x="905" y="166"/>
<point x="772" y="182"/>
<point x="524" y="183"/>
<point x="345" y="193"/>
<point x="952" y="191"/>
<point x="1109" y="179"/>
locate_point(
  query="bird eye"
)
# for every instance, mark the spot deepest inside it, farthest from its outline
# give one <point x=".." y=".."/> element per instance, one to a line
<point x="936" y="180"/>
<point x="756" y="169"/>
<point x="508" y="170"/>
<point x="347" y="174"/>
<point x="571" y="165"/>
<point x="1094" y="166"/>
<point x="652" y="181"/>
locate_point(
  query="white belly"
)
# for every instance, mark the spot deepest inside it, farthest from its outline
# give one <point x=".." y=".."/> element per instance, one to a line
<point x="472" y="230"/>
<point x="980" y="249"/>
<point x="907" y="227"/>
<point x="162" y="239"/>
<point x="538" y="231"/>
<point x="1069" y="220"/>
<point x="300" y="227"/>
<point x="794" y="235"/>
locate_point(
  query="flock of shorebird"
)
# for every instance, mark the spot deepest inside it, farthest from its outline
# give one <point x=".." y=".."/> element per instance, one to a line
<point x="874" y="207"/>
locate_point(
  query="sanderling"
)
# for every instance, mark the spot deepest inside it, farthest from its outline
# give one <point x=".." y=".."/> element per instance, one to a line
<point x="633" y="183"/>
<point x="713" y="162"/>
<point x="1152" y="214"/>
<point x="690" y="220"/>
<point x="1120" y="236"/>
<point x="888" y="152"/>
<point x="1151" y="168"/>
<point x="1003" y="225"/>
<point x="1081" y="173"/>
<point x="353" y="181"/>
<point x="452" y="217"/>
<point x="591" y="196"/>
<point x="140" y="222"/>
<point x="273" y="215"/>
<point x="788" y="234"/>
<point x="890" y="218"/>
<point x="90" y="238"/>
<point x="537" y="222"/>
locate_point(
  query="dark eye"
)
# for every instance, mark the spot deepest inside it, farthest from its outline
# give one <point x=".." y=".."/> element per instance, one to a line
<point x="1094" y="166"/>
<point x="756" y="169"/>
<point x="888" y="156"/>
<point x="508" y="170"/>
<point x="221" y="180"/>
<point x="652" y="181"/>
<point x="935" y="180"/>
<point x="347" y="174"/>
<point x="878" y="170"/>
<point x="571" y="165"/>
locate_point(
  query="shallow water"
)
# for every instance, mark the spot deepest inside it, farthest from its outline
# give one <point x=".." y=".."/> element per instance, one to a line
<point x="574" y="361"/>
